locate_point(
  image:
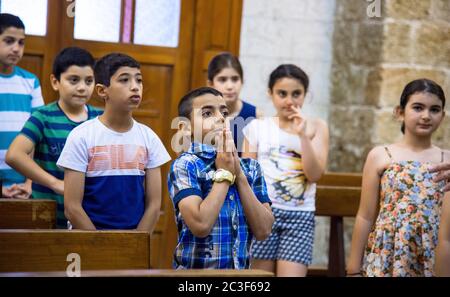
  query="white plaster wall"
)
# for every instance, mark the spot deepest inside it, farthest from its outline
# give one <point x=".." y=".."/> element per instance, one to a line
<point x="287" y="31"/>
<point x="290" y="31"/>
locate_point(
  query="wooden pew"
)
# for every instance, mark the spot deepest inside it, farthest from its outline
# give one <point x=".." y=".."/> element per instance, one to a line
<point x="27" y="213"/>
<point x="337" y="197"/>
<point x="341" y="179"/>
<point x="47" y="250"/>
<point x="150" y="273"/>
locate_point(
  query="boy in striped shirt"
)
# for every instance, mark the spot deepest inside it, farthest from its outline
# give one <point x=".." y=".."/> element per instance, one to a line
<point x="20" y="94"/>
<point x="47" y="129"/>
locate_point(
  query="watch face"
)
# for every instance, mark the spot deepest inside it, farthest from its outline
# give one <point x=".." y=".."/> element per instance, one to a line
<point x="222" y="175"/>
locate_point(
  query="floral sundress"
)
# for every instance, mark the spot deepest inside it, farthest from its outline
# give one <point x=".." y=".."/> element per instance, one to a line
<point x="404" y="236"/>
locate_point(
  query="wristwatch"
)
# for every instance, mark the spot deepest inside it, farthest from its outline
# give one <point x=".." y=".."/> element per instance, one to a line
<point x="221" y="175"/>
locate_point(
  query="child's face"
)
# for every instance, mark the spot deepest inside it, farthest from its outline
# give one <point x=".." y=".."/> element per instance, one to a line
<point x="229" y="83"/>
<point x="208" y="118"/>
<point x="12" y="43"/>
<point x="286" y="93"/>
<point x="423" y="114"/>
<point x="75" y="85"/>
<point x="125" y="90"/>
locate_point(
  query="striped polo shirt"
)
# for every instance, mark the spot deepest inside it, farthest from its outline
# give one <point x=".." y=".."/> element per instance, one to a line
<point x="20" y="94"/>
<point x="48" y="128"/>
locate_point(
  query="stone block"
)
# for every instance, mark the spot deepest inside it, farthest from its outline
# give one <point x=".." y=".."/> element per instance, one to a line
<point x="369" y="44"/>
<point x="348" y="84"/>
<point x="407" y="9"/>
<point x="440" y="10"/>
<point x="397" y="44"/>
<point x="395" y="79"/>
<point x="387" y="128"/>
<point x="432" y="44"/>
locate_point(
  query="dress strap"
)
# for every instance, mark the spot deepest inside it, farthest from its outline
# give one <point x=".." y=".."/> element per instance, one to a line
<point x="388" y="152"/>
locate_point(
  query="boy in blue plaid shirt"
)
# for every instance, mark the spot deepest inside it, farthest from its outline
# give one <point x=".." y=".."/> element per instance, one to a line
<point x="220" y="201"/>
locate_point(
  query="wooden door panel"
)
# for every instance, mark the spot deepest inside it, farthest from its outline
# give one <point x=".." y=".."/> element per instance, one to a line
<point x="33" y="63"/>
<point x="155" y="106"/>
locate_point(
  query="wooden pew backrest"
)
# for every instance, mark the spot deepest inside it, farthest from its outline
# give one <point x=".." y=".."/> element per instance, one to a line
<point x="27" y="214"/>
<point x="337" y="196"/>
<point x="151" y="273"/>
<point x="341" y="179"/>
<point x="39" y="250"/>
<point x="337" y="201"/>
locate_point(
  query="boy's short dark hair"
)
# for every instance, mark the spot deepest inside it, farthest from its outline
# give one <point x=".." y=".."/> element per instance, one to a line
<point x="109" y="64"/>
<point x="71" y="56"/>
<point x="185" y="105"/>
<point x="8" y="20"/>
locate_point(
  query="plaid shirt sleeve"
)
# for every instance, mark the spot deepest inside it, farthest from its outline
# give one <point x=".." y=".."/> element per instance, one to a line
<point x="183" y="179"/>
<point x="259" y="183"/>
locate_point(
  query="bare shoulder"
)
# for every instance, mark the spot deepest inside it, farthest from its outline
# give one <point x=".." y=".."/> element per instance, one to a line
<point x="318" y="122"/>
<point x="378" y="152"/>
<point x="378" y="158"/>
<point x="317" y="125"/>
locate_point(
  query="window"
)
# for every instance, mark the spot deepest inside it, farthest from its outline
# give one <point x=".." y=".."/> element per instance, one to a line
<point x="33" y="14"/>
<point x="145" y="22"/>
<point x="97" y="20"/>
<point x="157" y="22"/>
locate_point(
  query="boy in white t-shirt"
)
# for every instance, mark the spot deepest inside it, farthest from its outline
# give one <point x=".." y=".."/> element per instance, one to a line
<point x="112" y="175"/>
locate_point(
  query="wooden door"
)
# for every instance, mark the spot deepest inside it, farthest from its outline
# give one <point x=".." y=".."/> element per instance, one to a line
<point x="206" y="28"/>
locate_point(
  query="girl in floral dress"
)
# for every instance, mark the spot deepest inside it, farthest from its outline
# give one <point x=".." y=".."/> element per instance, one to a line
<point x="396" y="228"/>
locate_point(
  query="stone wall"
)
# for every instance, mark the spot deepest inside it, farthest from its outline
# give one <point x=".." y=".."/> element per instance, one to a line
<point x="287" y="31"/>
<point x="373" y="59"/>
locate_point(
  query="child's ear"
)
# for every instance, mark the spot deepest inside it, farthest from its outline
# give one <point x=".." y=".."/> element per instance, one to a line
<point x="54" y="82"/>
<point x="184" y="135"/>
<point x="101" y="91"/>
<point x="269" y="92"/>
<point x="399" y="113"/>
<point x="185" y="128"/>
<point x="209" y="83"/>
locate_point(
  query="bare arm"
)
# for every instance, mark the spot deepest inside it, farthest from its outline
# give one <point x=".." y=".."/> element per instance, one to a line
<point x="442" y="267"/>
<point x="367" y="211"/>
<point x="19" y="157"/>
<point x="152" y="200"/>
<point x="73" y="198"/>
<point x="315" y="151"/>
<point x="248" y="150"/>
<point x="259" y="216"/>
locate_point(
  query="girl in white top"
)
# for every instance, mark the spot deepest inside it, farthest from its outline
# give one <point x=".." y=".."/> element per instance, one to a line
<point x="292" y="151"/>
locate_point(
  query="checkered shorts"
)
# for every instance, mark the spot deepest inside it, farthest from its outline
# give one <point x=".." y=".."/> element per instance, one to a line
<point x="292" y="238"/>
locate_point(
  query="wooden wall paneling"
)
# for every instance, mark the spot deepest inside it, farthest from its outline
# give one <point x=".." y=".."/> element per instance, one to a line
<point x="217" y="29"/>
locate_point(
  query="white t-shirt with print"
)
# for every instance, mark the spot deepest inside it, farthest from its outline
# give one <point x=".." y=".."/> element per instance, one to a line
<point x="114" y="165"/>
<point x="280" y="156"/>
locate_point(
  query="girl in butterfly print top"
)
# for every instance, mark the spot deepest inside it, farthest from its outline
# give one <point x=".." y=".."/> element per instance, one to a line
<point x="400" y="239"/>
<point x="292" y="151"/>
